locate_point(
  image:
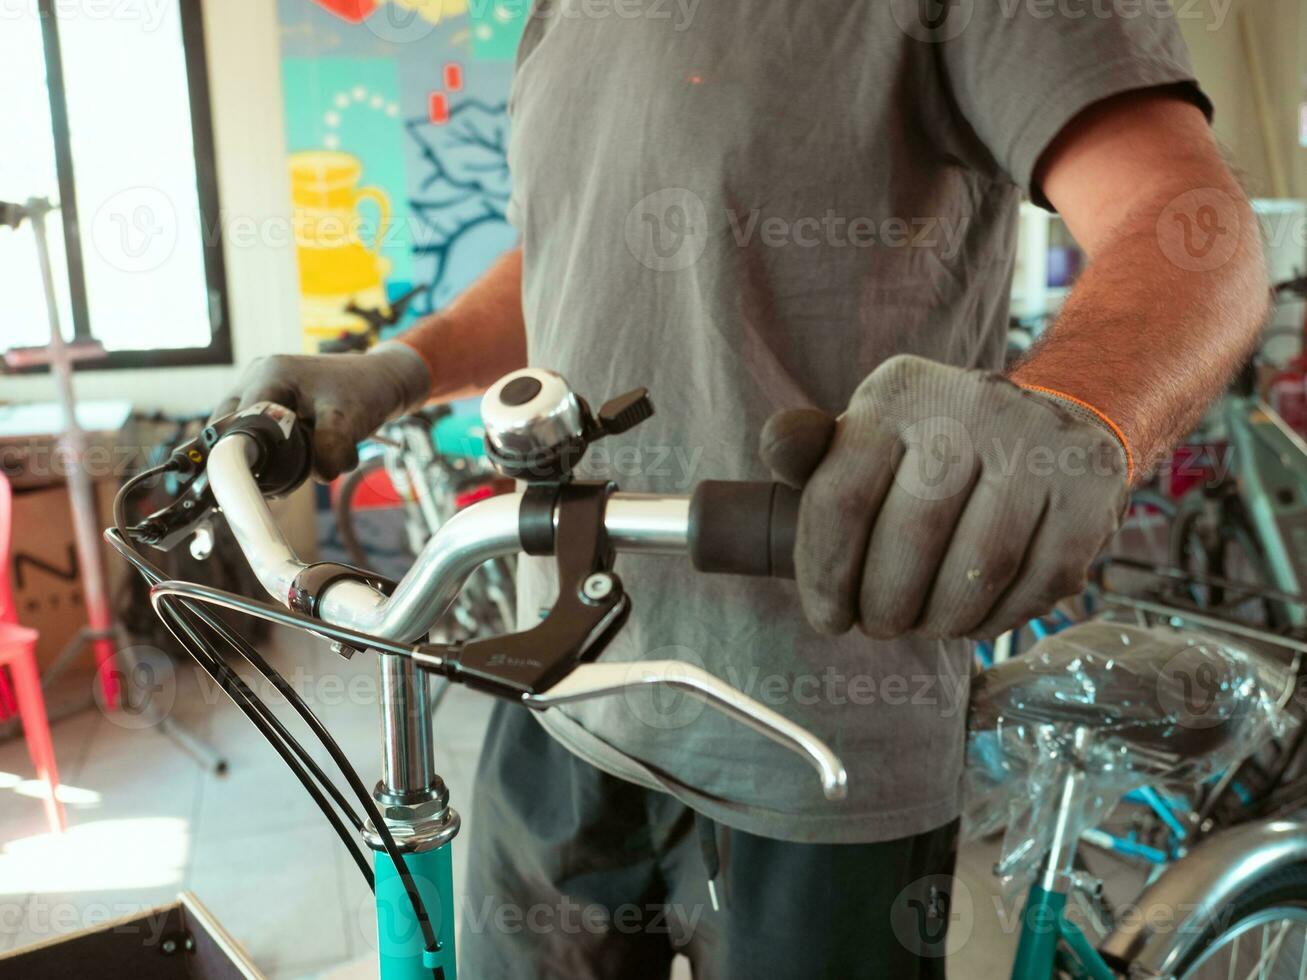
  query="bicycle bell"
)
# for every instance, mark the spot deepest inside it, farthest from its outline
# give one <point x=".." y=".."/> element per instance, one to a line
<point x="538" y="428"/>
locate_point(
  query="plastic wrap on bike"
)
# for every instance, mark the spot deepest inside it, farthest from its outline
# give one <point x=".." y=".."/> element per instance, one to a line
<point x="1161" y="706"/>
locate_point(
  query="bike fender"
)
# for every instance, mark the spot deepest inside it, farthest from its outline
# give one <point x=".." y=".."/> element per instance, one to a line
<point x="1175" y="911"/>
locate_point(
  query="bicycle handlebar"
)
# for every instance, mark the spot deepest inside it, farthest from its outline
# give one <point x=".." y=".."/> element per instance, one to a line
<point x="725" y="527"/>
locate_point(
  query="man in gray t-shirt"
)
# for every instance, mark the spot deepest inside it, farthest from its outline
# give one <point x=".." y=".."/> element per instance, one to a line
<point x="773" y="214"/>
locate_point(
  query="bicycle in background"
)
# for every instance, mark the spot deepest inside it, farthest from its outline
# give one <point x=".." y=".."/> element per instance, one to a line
<point x="1247" y="518"/>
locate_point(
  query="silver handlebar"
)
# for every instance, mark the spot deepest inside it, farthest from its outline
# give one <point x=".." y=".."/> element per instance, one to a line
<point x="635" y="523"/>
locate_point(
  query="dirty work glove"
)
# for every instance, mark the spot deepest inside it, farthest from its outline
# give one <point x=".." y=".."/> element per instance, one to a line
<point x="946" y="502"/>
<point x="346" y="397"/>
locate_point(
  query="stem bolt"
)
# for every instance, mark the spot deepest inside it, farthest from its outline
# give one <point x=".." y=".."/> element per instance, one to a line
<point x="597" y="587"/>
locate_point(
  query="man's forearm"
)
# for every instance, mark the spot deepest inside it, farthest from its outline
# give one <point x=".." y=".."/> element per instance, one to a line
<point x="477" y="338"/>
<point x="1156" y="326"/>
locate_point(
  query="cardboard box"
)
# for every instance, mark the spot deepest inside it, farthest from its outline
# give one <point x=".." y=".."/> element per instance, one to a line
<point x="47" y="579"/>
<point x="181" y="941"/>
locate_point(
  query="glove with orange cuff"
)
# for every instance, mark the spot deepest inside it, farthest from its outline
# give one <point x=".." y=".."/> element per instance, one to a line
<point x="947" y="502"/>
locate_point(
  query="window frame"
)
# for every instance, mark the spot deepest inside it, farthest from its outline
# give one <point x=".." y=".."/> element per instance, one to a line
<point x="219" y="349"/>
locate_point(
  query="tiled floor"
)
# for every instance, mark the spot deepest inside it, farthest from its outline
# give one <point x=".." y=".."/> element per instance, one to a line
<point x="147" y="822"/>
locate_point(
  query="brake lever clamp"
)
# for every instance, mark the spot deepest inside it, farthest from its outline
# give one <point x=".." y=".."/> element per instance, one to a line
<point x="591" y="605"/>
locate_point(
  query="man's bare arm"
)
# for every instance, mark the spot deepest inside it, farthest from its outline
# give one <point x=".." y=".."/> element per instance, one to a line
<point x="479" y="337"/>
<point x="1174" y="293"/>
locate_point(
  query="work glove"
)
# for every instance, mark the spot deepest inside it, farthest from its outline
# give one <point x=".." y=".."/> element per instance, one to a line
<point x="344" y="397"/>
<point x="946" y="502"/>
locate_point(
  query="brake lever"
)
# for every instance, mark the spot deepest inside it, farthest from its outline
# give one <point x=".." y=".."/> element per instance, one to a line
<point x="282" y="459"/>
<point x="595" y="680"/>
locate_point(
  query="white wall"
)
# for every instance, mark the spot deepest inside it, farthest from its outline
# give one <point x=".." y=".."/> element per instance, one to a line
<point x="243" y="48"/>
<point x="1280" y="30"/>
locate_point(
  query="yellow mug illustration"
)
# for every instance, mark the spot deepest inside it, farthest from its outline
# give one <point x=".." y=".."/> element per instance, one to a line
<point x="336" y="265"/>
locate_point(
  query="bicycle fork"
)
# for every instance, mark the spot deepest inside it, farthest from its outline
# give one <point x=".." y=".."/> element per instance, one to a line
<point x="1047" y="936"/>
<point x="415" y="805"/>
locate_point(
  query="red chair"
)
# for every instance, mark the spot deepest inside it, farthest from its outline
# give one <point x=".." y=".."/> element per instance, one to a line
<point x="18" y="653"/>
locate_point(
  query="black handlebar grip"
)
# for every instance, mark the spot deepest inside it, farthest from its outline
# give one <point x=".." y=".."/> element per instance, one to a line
<point x="740" y="528"/>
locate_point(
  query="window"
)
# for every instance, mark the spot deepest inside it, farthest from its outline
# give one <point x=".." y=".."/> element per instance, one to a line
<point x="107" y="112"/>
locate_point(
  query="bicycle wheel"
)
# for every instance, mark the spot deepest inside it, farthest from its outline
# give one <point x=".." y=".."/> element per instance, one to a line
<point x="345" y="519"/>
<point x="1262" y="933"/>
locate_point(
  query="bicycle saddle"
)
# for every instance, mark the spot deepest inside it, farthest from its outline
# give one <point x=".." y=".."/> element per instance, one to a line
<point x="1159" y="697"/>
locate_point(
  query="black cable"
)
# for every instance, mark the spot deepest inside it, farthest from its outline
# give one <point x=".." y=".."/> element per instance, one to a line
<point x="276" y="614"/>
<point x="220" y="629"/>
<point x="233" y="685"/>
<point x="125" y="491"/>
<point x="391" y="848"/>
<point x="268" y="725"/>
<point x="153" y="575"/>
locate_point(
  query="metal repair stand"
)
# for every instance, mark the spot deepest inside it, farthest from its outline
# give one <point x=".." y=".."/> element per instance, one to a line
<point x="101" y="633"/>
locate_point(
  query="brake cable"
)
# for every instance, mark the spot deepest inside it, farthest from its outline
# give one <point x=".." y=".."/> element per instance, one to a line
<point x="589" y="610"/>
<point x="305" y="769"/>
<point x="291" y="751"/>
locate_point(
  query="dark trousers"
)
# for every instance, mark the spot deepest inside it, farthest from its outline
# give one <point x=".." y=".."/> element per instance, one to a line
<point x="577" y="875"/>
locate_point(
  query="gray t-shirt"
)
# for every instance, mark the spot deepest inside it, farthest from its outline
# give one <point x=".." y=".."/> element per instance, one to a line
<point x="746" y="205"/>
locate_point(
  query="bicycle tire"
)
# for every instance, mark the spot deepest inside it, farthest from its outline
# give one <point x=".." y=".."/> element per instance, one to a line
<point x="344" y="509"/>
<point x="1160" y="502"/>
<point x="1285" y="888"/>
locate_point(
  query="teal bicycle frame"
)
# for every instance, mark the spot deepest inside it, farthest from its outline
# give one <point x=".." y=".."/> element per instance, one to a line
<point x="1174" y="911"/>
<point x="416" y="804"/>
<point x="399" y="939"/>
<point x="1270" y="470"/>
<point x="1051" y="942"/>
